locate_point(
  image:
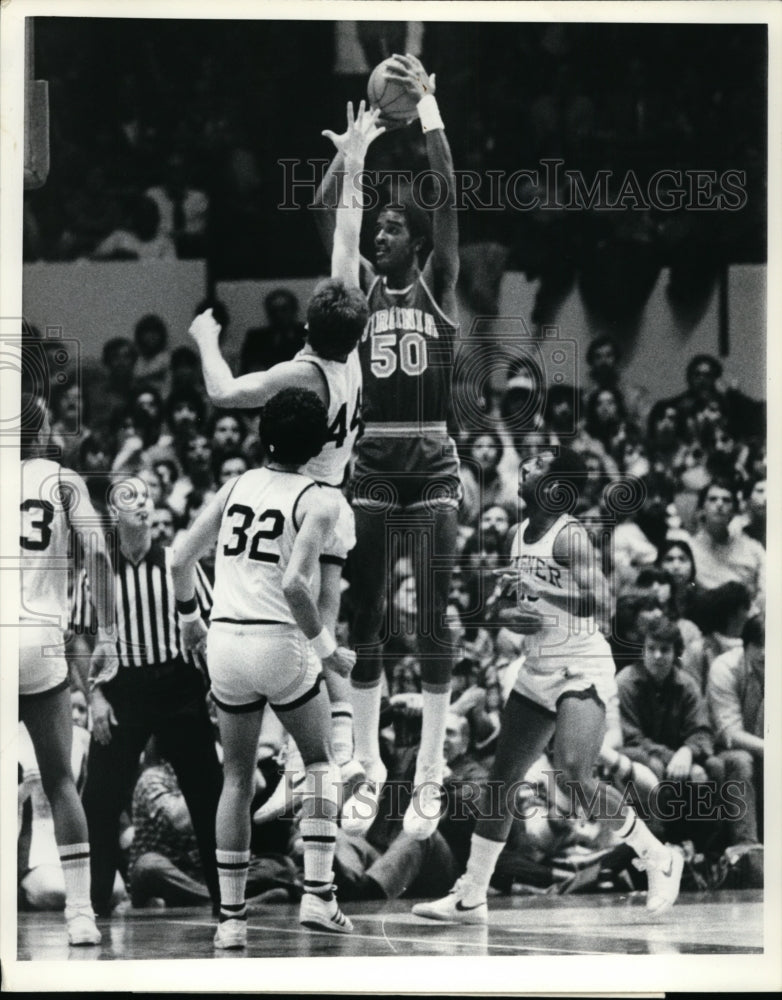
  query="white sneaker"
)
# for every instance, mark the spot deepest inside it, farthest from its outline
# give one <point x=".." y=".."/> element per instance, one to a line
<point x="360" y="810"/>
<point x="285" y="799"/>
<point x="350" y="774"/>
<point x="82" y="929"/>
<point x="453" y="908"/>
<point x="319" y="914"/>
<point x="426" y="806"/>
<point x="663" y="882"/>
<point x="231" y="934"/>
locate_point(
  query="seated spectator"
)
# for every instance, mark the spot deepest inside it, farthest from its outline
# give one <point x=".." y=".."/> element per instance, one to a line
<point x="196" y="459"/>
<point x="666" y="437"/>
<point x="265" y="347"/>
<point x="736" y="703"/>
<point x="152" y="441"/>
<point x="226" y="430"/>
<point x="228" y="465"/>
<point x="70" y="421"/>
<point x="154" y="359"/>
<point x="752" y="521"/>
<point x="183" y="209"/>
<point x="724" y="613"/>
<point x="719" y="556"/>
<point x="186" y="374"/>
<point x="634" y="614"/>
<point x="164" y="859"/>
<point x="665" y="720"/>
<point x="659" y="583"/>
<point x="139" y="238"/>
<point x="168" y="471"/>
<point x="676" y="558"/>
<point x="184" y="412"/>
<point x="484" y="484"/>
<point x="703" y="393"/>
<point x="606" y="418"/>
<point x="111" y="390"/>
<point x="163" y="528"/>
<point x="603" y="358"/>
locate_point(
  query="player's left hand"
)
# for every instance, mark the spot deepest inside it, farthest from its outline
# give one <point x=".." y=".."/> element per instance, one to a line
<point x="361" y="132"/>
<point x="204" y="327"/>
<point x="409" y="71"/>
<point x="341" y="661"/>
<point x="193" y="638"/>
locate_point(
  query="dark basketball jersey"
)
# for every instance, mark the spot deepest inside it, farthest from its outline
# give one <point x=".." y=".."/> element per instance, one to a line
<point x="407" y="356"/>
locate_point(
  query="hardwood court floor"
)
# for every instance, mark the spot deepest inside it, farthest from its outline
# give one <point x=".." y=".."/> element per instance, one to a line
<point x="729" y="922"/>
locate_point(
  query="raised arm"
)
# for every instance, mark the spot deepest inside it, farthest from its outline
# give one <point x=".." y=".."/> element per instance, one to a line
<point x="246" y="391"/>
<point x="442" y="267"/>
<point x="352" y="145"/>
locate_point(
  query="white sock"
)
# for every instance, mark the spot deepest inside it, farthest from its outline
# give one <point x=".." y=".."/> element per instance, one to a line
<point x="75" y="862"/>
<point x="638" y="835"/>
<point x="232" y="873"/>
<point x="483" y="860"/>
<point x="342" y="731"/>
<point x="435" y="713"/>
<point x="366" y="722"/>
<point x="319" y="826"/>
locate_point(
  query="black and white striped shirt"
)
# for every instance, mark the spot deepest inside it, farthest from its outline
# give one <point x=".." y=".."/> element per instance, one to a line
<point x="147" y="621"/>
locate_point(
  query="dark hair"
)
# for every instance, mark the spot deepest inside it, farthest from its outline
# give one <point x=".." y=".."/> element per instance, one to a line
<point x="172" y="467"/>
<point x="59" y="392"/>
<point x="593" y="426"/>
<point x="192" y="398"/>
<point x="721" y="602"/>
<point x="722" y="483"/>
<point x="34" y="412"/>
<point x="278" y="293"/>
<point x="183" y="356"/>
<point x="604" y="341"/>
<point x="218" y="415"/>
<point x="151" y="323"/>
<point x="754" y="632"/>
<point x="700" y="359"/>
<point x="417" y="218"/>
<point x="336" y="318"/>
<point x="652" y="574"/>
<point x="525" y="393"/>
<point x="219" y="311"/>
<point x="219" y="457"/>
<point x="147" y="389"/>
<point x="568" y="469"/>
<point x="294" y="426"/>
<point x="663" y="630"/>
<point x="473" y="437"/>
<point x="677" y="543"/>
<point x="91" y="444"/>
<point x="112" y="348"/>
<point x="556" y="394"/>
<point x="657" y="411"/>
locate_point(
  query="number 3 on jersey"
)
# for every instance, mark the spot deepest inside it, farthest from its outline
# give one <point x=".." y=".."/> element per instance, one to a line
<point x="339" y="428"/>
<point x="413" y="357"/>
<point x="275" y="521"/>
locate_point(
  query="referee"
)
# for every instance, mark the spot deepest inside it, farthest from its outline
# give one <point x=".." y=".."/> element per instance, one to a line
<point x="154" y="691"/>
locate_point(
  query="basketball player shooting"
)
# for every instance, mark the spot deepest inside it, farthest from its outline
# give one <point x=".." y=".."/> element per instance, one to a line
<point x="328" y="366"/>
<point x="405" y="460"/>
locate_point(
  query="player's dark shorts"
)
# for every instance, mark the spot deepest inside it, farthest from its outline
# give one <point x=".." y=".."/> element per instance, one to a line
<point x="406" y="465"/>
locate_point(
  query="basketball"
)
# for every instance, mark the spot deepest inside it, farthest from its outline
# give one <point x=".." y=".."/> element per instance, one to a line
<point x="390" y="96"/>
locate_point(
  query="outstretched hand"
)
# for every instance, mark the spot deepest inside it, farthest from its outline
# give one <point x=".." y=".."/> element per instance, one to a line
<point x="361" y="132"/>
<point x="205" y="327"/>
<point x="409" y="71"/>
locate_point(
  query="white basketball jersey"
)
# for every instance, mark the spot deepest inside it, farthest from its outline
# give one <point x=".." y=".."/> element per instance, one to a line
<point x="344" y="382"/>
<point x="44" y="542"/>
<point x="564" y="635"/>
<point x="256" y="537"/>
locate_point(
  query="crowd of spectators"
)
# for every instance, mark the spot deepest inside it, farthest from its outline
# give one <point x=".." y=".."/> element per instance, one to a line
<point x="166" y="136"/>
<point x="674" y="500"/>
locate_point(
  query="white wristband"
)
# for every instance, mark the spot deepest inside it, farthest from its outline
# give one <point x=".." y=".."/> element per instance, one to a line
<point x="429" y="113"/>
<point x="324" y="644"/>
<point x="191" y="616"/>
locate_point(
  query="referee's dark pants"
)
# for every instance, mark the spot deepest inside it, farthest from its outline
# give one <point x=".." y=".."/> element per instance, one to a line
<point x="167" y="701"/>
